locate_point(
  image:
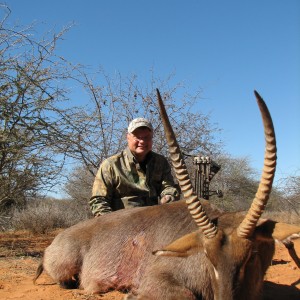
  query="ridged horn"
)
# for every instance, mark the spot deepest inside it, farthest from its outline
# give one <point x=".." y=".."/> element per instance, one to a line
<point x="246" y="228"/>
<point x="193" y="203"/>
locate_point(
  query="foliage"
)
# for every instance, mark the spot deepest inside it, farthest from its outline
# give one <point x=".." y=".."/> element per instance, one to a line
<point x="79" y="187"/>
<point x="98" y="130"/>
<point x="41" y="216"/>
<point x="237" y="181"/>
<point x="29" y="118"/>
<point x="287" y="195"/>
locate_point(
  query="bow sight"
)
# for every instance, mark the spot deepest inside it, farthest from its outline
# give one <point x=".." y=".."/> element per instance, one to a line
<point x="205" y="170"/>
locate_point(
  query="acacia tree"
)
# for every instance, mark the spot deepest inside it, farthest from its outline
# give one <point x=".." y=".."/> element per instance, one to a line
<point x="238" y="182"/>
<point x="288" y="198"/>
<point x="29" y="118"/>
<point x="79" y="188"/>
<point x="98" y="129"/>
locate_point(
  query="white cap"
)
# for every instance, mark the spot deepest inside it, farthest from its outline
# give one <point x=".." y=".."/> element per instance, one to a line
<point x="139" y="122"/>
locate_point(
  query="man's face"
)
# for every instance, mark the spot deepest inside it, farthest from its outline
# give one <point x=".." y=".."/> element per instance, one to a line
<point x="140" y="142"/>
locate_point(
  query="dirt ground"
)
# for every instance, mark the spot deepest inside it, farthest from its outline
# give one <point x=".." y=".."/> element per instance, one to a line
<point x="20" y="253"/>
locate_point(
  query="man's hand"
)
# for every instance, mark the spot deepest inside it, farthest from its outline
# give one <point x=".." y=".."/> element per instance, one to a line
<point x="167" y="199"/>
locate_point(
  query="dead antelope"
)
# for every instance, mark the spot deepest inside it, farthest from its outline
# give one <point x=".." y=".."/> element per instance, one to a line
<point x="198" y="251"/>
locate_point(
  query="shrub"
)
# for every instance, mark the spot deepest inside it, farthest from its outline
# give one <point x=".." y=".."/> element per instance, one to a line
<point x="42" y="216"/>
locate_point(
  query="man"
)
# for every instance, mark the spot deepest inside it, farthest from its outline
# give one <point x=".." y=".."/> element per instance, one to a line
<point x="135" y="177"/>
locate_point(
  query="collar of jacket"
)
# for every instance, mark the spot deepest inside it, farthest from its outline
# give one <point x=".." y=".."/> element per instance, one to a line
<point x="132" y="158"/>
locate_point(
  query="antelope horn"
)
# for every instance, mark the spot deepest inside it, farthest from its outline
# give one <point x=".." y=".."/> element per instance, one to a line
<point x="193" y="203"/>
<point x="246" y="228"/>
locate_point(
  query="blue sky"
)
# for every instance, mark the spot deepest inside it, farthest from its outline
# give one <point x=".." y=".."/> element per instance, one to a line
<point x="227" y="48"/>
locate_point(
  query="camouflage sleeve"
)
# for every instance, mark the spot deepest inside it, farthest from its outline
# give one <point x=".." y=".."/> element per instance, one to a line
<point x="102" y="193"/>
<point x="99" y="206"/>
<point x="168" y="184"/>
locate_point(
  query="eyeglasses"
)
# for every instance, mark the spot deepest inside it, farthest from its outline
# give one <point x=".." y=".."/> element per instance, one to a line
<point x="146" y="138"/>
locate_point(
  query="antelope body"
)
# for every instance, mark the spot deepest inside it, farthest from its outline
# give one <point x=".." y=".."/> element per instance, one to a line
<point x="182" y="250"/>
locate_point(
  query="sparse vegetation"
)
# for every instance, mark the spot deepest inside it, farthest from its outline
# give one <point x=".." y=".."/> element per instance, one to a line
<point x="42" y="216"/>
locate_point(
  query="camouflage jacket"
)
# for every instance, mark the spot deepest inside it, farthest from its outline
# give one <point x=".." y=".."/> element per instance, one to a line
<point x="122" y="182"/>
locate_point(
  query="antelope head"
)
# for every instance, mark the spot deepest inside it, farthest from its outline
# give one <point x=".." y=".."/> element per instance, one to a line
<point x="232" y="247"/>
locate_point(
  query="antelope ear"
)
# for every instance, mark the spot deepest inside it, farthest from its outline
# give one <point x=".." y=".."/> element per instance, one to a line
<point x="182" y="247"/>
<point x="269" y="229"/>
<point x="283" y="231"/>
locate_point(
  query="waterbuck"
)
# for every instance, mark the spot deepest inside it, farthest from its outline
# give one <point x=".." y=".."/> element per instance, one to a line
<point x="181" y="250"/>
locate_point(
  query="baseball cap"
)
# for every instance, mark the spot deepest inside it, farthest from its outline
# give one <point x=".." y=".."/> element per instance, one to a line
<point x="139" y="122"/>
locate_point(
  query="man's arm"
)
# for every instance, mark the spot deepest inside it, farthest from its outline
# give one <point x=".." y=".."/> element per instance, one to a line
<point x="102" y="193"/>
<point x="99" y="206"/>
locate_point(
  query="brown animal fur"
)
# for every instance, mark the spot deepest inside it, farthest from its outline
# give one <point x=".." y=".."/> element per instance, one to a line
<point x="115" y="252"/>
